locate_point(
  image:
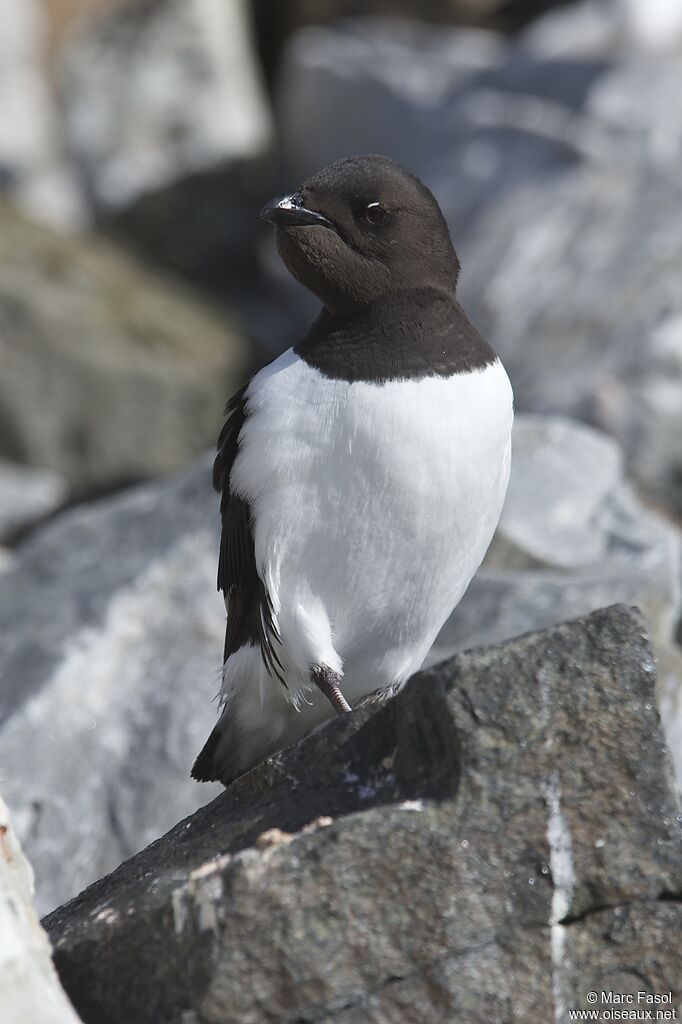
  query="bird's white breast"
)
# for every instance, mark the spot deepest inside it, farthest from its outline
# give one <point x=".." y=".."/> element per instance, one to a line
<point x="373" y="505"/>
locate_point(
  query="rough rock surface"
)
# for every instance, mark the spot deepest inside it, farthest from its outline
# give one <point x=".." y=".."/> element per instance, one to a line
<point x="110" y="640"/>
<point x="495" y="842"/>
<point x="108" y="373"/>
<point x="30" y="989"/>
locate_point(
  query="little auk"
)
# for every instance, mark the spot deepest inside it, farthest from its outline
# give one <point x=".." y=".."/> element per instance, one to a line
<point x="362" y="473"/>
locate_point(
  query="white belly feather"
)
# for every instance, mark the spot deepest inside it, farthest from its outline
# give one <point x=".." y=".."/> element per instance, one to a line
<point x="373" y="507"/>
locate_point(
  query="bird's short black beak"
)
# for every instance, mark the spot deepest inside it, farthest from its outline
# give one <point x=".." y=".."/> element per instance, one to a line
<point x="289" y="211"/>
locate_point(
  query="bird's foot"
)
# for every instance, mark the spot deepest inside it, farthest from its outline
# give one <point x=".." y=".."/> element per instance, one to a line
<point x="327" y="681"/>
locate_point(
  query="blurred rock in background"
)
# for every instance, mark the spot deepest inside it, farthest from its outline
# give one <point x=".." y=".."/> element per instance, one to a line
<point x="28" y="980"/>
<point x="109" y="374"/>
<point x="110" y="638"/>
<point x="155" y="92"/>
<point x="27" y="496"/>
<point x="654" y="25"/>
<point x="106" y="100"/>
<point x="34" y="169"/>
<point x="168" y="127"/>
<point x="169" y="131"/>
<point x="275" y="22"/>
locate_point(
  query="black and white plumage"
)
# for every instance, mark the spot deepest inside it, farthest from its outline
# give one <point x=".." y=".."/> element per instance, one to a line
<point x="362" y="473"/>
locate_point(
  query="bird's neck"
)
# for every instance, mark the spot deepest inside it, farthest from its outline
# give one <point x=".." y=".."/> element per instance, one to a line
<point x="399" y="336"/>
<point x="396" y="308"/>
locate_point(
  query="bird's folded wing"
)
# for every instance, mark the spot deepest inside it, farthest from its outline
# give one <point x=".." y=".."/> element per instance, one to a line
<point x="249" y="610"/>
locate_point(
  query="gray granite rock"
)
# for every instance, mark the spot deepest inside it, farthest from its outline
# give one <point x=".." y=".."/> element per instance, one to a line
<point x="28" y="982"/>
<point x="110" y="641"/>
<point x="109" y="373"/>
<point x="27" y="495"/>
<point x="486" y="846"/>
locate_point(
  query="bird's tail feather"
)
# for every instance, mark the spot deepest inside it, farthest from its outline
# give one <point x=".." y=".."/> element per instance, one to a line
<point x="225" y="755"/>
<point x="204" y="767"/>
<point x="247" y="733"/>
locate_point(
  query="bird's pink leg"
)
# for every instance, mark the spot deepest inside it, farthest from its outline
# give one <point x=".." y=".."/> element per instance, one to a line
<point x="327" y="681"/>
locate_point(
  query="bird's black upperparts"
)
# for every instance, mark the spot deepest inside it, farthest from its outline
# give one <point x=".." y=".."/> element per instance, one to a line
<point x="369" y="239"/>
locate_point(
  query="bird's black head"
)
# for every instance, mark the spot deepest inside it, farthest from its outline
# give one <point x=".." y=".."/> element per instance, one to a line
<point x="361" y="229"/>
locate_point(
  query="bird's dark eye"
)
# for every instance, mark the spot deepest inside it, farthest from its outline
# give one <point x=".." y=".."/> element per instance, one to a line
<point x="374" y="213"/>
